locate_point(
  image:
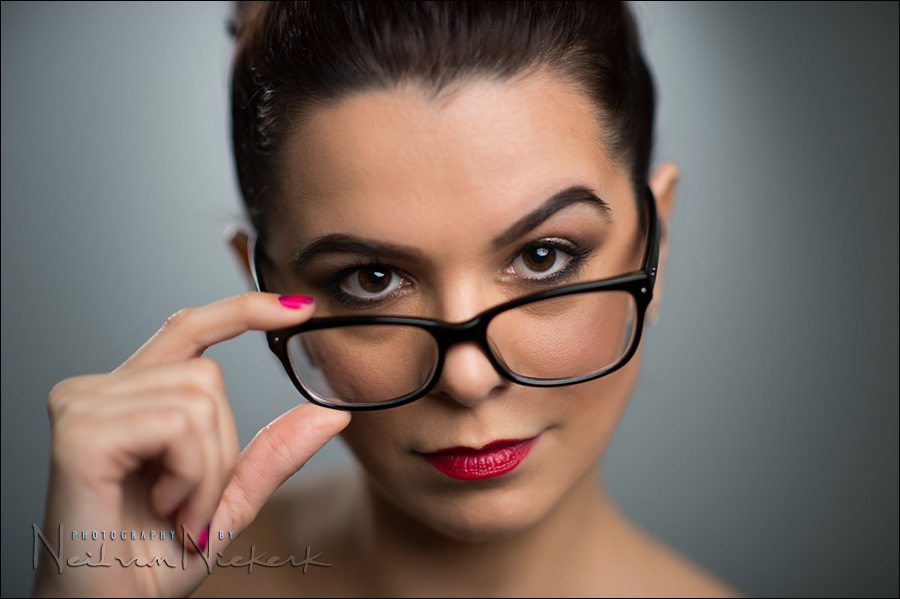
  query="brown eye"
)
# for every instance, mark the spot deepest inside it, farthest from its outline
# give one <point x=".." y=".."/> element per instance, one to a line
<point x="545" y="259"/>
<point x="373" y="280"/>
<point x="373" y="283"/>
<point x="540" y="259"/>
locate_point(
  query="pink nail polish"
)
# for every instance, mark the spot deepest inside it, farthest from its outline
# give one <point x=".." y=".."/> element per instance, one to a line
<point x="295" y="302"/>
<point x="204" y="538"/>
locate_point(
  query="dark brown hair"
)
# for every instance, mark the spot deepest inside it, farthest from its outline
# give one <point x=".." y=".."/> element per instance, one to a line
<point x="292" y="57"/>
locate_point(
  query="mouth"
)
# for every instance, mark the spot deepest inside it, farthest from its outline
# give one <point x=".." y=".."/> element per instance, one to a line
<point x="493" y="460"/>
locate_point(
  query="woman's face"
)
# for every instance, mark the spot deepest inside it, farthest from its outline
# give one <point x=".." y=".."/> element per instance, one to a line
<point x="452" y="182"/>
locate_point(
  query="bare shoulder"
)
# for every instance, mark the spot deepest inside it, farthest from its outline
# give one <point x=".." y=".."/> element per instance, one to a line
<point x="660" y="571"/>
<point x="300" y="544"/>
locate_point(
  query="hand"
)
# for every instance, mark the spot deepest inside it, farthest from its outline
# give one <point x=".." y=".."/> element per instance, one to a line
<point x="152" y="446"/>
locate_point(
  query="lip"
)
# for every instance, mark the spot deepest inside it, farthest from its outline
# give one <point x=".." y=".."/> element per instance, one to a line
<point x="494" y="459"/>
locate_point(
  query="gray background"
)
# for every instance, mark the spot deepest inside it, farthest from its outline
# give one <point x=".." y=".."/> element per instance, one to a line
<point x="763" y="438"/>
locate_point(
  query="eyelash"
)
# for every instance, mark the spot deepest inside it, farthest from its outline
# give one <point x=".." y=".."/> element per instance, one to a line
<point x="333" y="283"/>
<point x="577" y="256"/>
<point x="575" y="264"/>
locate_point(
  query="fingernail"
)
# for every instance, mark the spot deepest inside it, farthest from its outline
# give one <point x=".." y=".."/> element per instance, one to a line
<point x="204" y="538"/>
<point x="295" y="302"/>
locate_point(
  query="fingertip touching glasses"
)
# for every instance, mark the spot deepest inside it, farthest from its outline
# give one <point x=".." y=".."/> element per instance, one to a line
<point x="561" y="336"/>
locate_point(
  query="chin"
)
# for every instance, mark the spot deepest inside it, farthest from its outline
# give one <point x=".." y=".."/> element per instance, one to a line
<point x="479" y="512"/>
<point x="481" y="526"/>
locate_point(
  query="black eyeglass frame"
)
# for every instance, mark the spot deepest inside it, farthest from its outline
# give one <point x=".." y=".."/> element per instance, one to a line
<point x="639" y="284"/>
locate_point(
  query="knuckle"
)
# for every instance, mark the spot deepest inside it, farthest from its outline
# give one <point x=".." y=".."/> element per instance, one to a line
<point x="72" y="439"/>
<point x="178" y="319"/>
<point x="64" y="394"/>
<point x="247" y="298"/>
<point x="279" y="445"/>
<point x="178" y="422"/>
<point x="58" y="395"/>
<point x="200" y="406"/>
<point x="237" y="502"/>
<point x="247" y="302"/>
<point x="208" y="373"/>
<point x="71" y="430"/>
<point x="205" y="412"/>
<point x="61" y="388"/>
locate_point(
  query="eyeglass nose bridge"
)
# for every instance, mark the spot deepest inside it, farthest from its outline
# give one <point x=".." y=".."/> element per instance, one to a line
<point x="450" y="334"/>
<point x="473" y="331"/>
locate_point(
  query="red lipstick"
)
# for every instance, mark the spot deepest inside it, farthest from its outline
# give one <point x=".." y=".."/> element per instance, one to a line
<point x="492" y="460"/>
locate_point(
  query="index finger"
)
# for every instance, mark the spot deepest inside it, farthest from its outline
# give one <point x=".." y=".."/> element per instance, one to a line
<point x="189" y="332"/>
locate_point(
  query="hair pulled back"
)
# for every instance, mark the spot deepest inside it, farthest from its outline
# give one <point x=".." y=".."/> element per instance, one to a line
<point x="291" y="57"/>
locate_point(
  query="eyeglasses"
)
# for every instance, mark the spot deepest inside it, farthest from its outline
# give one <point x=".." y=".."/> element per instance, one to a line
<point x="557" y="337"/>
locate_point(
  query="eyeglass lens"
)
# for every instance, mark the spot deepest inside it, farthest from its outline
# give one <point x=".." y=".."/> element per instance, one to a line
<point x="558" y="338"/>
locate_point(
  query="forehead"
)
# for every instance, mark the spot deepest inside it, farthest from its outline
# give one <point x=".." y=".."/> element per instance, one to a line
<point x="379" y="163"/>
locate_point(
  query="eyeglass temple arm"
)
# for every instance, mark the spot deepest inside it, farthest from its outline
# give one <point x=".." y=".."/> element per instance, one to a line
<point x="651" y="257"/>
<point x="254" y="255"/>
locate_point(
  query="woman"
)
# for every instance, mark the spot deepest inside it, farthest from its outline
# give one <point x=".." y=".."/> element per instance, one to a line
<point x="476" y="167"/>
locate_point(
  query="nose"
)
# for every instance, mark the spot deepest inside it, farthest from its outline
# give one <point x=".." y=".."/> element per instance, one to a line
<point x="468" y="377"/>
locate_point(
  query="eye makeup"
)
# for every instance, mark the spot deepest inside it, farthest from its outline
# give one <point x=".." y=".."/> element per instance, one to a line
<point x="569" y="259"/>
<point x="334" y="285"/>
<point x="354" y="273"/>
<point x="542" y="248"/>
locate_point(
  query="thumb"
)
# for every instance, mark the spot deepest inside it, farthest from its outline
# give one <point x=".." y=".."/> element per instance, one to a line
<point x="275" y="453"/>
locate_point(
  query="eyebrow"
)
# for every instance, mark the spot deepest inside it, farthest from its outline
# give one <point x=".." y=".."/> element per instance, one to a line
<point x="341" y="243"/>
<point x="572" y="195"/>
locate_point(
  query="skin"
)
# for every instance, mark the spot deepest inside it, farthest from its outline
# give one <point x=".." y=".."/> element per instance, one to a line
<point x="152" y="446"/>
<point x="445" y="177"/>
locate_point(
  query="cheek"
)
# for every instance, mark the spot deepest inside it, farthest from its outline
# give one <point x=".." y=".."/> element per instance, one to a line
<point x="378" y="440"/>
<point x="596" y="410"/>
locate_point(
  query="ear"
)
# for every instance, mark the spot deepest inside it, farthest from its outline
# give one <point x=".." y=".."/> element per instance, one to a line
<point x="664" y="183"/>
<point x="238" y="239"/>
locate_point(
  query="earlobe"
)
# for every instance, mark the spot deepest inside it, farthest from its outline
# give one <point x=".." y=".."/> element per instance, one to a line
<point x="237" y="238"/>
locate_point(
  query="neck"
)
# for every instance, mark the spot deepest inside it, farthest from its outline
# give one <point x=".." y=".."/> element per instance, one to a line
<point x="408" y="558"/>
